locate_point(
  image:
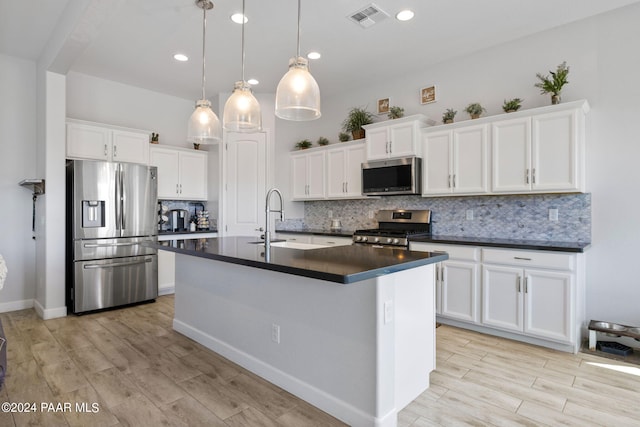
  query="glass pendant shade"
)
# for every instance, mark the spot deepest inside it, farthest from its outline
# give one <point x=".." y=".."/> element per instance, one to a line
<point x="204" y="126"/>
<point x="242" y="110"/>
<point x="298" y="94"/>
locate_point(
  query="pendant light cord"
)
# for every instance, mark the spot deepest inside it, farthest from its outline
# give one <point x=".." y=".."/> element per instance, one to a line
<point x="204" y="38"/>
<point x="244" y="18"/>
<point x="298" y="55"/>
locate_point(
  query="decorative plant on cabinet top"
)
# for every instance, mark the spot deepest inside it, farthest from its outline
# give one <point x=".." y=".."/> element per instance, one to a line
<point x="553" y="84"/>
<point x="356" y="118"/>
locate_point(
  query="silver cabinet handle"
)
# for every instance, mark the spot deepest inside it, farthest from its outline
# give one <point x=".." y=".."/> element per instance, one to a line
<point x="177" y="188"/>
<point x="522" y="258"/>
<point x="526" y="284"/>
<point x="106" y="152"/>
<point x="449" y="181"/>
<point x="117" y="264"/>
<point x="533" y="176"/>
<point x="115" y="150"/>
<point x="454" y="180"/>
<point x="390" y="147"/>
<point x="346" y="187"/>
<point x="518" y="283"/>
<point x="526" y="176"/>
<point x="180" y="188"/>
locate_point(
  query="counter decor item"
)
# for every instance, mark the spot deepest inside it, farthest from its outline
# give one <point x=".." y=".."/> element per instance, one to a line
<point x="154" y="137"/>
<point x="512" y="105"/>
<point x="196" y="146"/>
<point x="356" y="118"/>
<point x="202" y="222"/>
<point x="343" y="137"/>
<point x="323" y="141"/>
<point x="553" y="84"/>
<point x="475" y="110"/>
<point x="395" y="112"/>
<point x="303" y="144"/>
<point x="448" y="115"/>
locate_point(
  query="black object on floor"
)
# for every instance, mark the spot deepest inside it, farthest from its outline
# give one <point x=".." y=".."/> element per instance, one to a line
<point x="614" y="348"/>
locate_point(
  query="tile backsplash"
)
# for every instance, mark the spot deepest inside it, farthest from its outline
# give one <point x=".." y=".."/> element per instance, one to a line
<point x="509" y="217"/>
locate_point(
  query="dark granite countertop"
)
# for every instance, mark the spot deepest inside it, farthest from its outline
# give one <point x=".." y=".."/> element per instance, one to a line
<point x="320" y="232"/>
<point x="539" y="245"/>
<point x="340" y="264"/>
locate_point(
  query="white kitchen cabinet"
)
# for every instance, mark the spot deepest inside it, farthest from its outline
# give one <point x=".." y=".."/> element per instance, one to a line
<point x="308" y="175"/>
<point x="182" y="173"/>
<point x="344" y="172"/>
<point x="294" y="237"/>
<point x="528" y="292"/>
<point x="457" y="281"/>
<point x="455" y="161"/>
<point x="331" y="240"/>
<point x="395" y="138"/>
<point x="102" y="142"/>
<point x="540" y="152"/>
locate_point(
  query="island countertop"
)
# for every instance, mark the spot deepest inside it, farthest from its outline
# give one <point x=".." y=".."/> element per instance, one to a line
<point x="340" y="264"/>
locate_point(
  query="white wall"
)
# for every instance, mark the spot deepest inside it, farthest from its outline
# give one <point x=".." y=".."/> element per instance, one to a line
<point x="602" y="55"/>
<point x="17" y="162"/>
<point x="103" y="101"/>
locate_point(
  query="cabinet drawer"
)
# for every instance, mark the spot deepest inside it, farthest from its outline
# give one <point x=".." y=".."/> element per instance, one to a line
<point x="469" y="253"/>
<point x="556" y="261"/>
<point x="331" y="241"/>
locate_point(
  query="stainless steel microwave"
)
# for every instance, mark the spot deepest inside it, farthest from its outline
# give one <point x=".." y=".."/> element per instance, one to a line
<point x="392" y="177"/>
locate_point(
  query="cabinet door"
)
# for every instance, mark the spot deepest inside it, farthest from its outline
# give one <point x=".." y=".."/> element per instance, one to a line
<point x="436" y="175"/>
<point x="299" y="176"/>
<point x="331" y="240"/>
<point x="130" y="147"/>
<point x="88" y="142"/>
<point x="166" y="272"/>
<point x="168" y="175"/>
<point x="502" y="297"/>
<point x="193" y="176"/>
<point x="555" y="151"/>
<point x="470" y="160"/>
<point x="336" y="180"/>
<point x="353" y="171"/>
<point x="460" y="290"/>
<point x="511" y="146"/>
<point x="377" y="143"/>
<point x="548" y="304"/>
<point x="403" y="139"/>
<point x="315" y="175"/>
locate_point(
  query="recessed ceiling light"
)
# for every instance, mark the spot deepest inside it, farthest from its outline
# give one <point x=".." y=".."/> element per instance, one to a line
<point x="253" y="82"/>
<point x="314" y="55"/>
<point x="404" y="15"/>
<point x="180" y="57"/>
<point x="237" y="18"/>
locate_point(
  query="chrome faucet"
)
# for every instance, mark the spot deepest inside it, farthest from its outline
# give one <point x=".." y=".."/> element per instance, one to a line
<point x="267" y="209"/>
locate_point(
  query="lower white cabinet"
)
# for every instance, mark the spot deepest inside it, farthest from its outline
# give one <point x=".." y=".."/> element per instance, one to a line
<point x="331" y="240"/>
<point x="533" y="296"/>
<point x="167" y="261"/>
<point x="457" y="281"/>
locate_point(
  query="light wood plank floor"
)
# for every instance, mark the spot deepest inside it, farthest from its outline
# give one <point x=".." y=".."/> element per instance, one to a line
<point x="142" y="373"/>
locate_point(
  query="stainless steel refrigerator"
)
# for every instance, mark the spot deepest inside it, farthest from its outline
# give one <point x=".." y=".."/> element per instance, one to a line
<point x="111" y="213"/>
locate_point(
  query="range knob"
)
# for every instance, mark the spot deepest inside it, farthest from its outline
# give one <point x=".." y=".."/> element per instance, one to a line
<point x="389" y="239"/>
<point x="396" y="241"/>
<point x="376" y="240"/>
<point x="357" y="238"/>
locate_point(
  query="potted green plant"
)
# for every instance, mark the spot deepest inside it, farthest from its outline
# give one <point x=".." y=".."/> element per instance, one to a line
<point x="448" y="115"/>
<point x="303" y="144"/>
<point x="356" y="118"/>
<point x="323" y="141"/>
<point x="512" y="105"/>
<point x="395" y="112"/>
<point x="474" y="110"/>
<point x="553" y="84"/>
<point x="154" y="137"/>
<point x="343" y="137"/>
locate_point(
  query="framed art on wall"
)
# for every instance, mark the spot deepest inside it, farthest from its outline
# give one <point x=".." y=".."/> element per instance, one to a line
<point x="383" y="105"/>
<point x="427" y="95"/>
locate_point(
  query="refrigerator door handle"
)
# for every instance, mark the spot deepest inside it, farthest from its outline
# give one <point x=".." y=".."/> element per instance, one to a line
<point x="117" y="198"/>
<point x="117" y="264"/>
<point x="123" y="198"/>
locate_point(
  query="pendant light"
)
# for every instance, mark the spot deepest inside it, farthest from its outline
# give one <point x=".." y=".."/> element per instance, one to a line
<point x="204" y="126"/>
<point x="298" y="94"/>
<point x="242" y="110"/>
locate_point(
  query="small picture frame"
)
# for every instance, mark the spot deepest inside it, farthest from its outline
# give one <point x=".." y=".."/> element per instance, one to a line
<point x="383" y="105"/>
<point x="428" y="95"/>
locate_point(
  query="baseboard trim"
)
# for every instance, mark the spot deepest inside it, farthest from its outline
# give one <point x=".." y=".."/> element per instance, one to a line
<point x="49" y="313"/>
<point x="16" y="305"/>
<point x="337" y="408"/>
<point x="169" y="290"/>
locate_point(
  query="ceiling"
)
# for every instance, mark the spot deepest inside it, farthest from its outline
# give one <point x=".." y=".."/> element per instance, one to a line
<point x="133" y="41"/>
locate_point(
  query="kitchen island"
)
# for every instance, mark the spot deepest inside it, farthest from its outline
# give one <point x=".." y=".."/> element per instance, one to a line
<point x="350" y="329"/>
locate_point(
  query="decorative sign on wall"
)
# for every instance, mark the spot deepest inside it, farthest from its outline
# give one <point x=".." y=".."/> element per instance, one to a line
<point x="428" y="95"/>
<point x="383" y="105"/>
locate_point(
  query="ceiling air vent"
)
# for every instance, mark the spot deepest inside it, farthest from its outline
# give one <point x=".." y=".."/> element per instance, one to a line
<point x="368" y="15"/>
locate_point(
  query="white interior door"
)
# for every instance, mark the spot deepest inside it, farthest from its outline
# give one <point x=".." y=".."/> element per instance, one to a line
<point x="245" y="183"/>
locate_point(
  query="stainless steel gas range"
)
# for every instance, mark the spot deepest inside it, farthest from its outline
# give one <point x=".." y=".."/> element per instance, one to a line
<point x="396" y="228"/>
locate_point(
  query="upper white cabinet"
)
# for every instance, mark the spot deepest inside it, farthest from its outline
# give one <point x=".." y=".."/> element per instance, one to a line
<point x="308" y="175"/>
<point x="395" y="138"/>
<point x="102" y="142"/>
<point x="182" y="173"/>
<point x="541" y="152"/>
<point x="455" y="161"/>
<point x="344" y="173"/>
